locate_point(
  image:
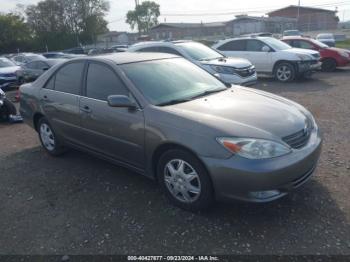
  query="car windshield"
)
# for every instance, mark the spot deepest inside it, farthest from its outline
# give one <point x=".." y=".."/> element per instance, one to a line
<point x="325" y="36"/>
<point x="320" y="44"/>
<point x="171" y="81"/>
<point x="276" y="44"/>
<point x="199" y="51"/>
<point x="4" y="62"/>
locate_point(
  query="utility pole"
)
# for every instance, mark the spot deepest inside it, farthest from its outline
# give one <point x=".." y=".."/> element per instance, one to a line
<point x="298" y="15"/>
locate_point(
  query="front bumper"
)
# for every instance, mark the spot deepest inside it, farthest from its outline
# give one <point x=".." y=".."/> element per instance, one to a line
<point x="238" y="80"/>
<point x="264" y="180"/>
<point x="308" y="66"/>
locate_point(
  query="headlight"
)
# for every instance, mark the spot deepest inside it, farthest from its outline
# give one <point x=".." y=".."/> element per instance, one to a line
<point x="343" y="54"/>
<point x="304" y="57"/>
<point x="223" y="69"/>
<point x="253" y="148"/>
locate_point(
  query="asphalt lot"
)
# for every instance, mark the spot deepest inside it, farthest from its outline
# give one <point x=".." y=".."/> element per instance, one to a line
<point x="77" y="204"/>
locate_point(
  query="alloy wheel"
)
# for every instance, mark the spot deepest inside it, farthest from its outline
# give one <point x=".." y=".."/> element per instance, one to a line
<point x="47" y="137"/>
<point x="284" y="73"/>
<point x="182" y="181"/>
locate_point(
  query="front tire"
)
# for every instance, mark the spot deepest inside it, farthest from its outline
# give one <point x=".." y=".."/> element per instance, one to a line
<point x="284" y="72"/>
<point x="185" y="180"/>
<point x="48" y="138"/>
<point x="329" y="65"/>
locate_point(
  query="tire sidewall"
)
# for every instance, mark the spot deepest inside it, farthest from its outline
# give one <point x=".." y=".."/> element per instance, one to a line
<point x="329" y="65"/>
<point x="206" y="197"/>
<point x="291" y="67"/>
<point x="58" y="149"/>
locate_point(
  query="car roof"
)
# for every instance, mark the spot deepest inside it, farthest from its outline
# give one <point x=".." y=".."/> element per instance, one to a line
<point x="295" y="37"/>
<point x="161" y="43"/>
<point x="129" y="57"/>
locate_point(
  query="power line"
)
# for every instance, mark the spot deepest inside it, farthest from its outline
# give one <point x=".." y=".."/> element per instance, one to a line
<point x="250" y="10"/>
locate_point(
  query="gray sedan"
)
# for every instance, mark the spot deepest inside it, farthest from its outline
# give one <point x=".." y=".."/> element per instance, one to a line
<point x="171" y="121"/>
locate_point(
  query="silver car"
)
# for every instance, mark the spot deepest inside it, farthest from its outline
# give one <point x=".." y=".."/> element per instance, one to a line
<point x="172" y="121"/>
<point x="232" y="70"/>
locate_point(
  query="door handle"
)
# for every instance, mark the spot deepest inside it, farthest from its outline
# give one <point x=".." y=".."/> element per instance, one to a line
<point x="86" y="109"/>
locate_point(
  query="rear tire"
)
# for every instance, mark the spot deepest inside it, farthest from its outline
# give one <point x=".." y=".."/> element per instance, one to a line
<point x="48" y="138"/>
<point x="329" y="65"/>
<point x="284" y="72"/>
<point x="184" y="180"/>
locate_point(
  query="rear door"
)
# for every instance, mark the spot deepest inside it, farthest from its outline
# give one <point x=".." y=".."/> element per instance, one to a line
<point x="60" y="100"/>
<point x="234" y="48"/>
<point x="115" y="132"/>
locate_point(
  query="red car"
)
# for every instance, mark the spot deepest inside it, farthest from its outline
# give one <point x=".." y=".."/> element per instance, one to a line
<point x="331" y="57"/>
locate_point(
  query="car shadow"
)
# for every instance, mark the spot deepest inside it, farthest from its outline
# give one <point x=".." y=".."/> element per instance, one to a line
<point x="78" y="204"/>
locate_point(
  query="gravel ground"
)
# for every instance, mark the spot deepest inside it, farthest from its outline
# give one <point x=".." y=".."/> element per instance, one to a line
<point x="77" y="204"/>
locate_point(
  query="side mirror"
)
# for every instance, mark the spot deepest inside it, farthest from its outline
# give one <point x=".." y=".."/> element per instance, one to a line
<point x="120" y="101"/>
<point x="266" y="49"/>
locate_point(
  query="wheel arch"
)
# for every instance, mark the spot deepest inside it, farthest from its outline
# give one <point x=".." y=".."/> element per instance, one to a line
<point x="283" y="61"/>
<point x="161" y="149"/>
<point x="36" y="117"/>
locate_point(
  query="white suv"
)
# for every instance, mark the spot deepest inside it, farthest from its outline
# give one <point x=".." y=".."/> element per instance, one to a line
<point x="230" y="70"/>
<point x="272" y="56"/>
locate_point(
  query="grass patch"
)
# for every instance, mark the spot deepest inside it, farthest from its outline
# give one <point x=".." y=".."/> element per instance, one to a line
<point x="343" y="44"/>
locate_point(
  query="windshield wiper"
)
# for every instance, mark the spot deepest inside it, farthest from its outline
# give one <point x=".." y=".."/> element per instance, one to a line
<point x="208" y="92"/>
<point x="174" y="101"/>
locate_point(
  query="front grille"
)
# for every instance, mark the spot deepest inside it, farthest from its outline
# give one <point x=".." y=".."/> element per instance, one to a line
<point x="246" y="72"/>
<point x="298" y="139"/>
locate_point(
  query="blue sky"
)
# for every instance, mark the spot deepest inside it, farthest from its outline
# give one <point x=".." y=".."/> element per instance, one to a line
<point x="119" y="8"/>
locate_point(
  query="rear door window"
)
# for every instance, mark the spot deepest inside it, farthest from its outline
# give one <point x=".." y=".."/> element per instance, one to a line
<point x="235" y="45"/>
<point x="68" y="78"/>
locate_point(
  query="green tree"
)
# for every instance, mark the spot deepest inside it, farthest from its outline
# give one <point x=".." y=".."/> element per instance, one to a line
<point x="144" y="16"/>
<point x="14" y="33"/>
<point x="60" y="24"/>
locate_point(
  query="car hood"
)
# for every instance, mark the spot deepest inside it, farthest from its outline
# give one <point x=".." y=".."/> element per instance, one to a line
<point x="9" y="70"/>
<point x="244" y="112"/>
<point x="229" y="61"/>
<point x="302" y="51"/>
<point x="338" y="49"/>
